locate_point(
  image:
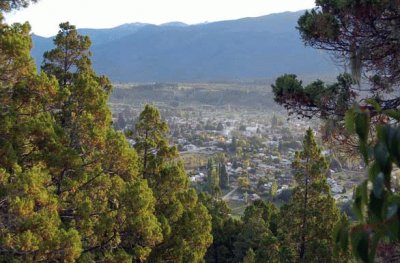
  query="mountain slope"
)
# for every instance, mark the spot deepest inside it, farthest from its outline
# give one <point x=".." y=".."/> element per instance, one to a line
<point x="243" y="49"/>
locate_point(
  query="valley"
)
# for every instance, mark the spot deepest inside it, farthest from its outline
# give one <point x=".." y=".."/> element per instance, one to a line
<point x="237" y="126"/>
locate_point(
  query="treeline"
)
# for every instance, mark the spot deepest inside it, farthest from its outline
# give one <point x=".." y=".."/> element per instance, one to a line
<point x="71" y="187"/>
<point x="214" y="94"/>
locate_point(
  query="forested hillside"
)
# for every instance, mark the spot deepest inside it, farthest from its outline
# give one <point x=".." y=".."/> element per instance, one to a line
<point x="237" y="50"/>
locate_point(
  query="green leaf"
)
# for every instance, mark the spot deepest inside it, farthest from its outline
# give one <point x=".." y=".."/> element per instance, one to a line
<point x="378" y="185"/>
<point x="362" y="247"/>
<point x="374" y="104"/>
<point x="395" y="114"/>
<point x="394" y="225"/>
<point x="393" y="210"/>
<point x="359" y="240"/>
<point x="364" y="151"/>
<point x="375" y="206"/>
<point x="360" y="199"/>
<point x="361" y="121"/>
<point x="396" y="147"/>
<point x="382" y="158"/>
<point x="373" y="246"/>
<point x="341" y="234"/>
<point x="349" y="121"/>
<point x="373" y="171"/>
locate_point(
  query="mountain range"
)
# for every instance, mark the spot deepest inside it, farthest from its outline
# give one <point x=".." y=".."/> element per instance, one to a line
<point x="246" y="49"/>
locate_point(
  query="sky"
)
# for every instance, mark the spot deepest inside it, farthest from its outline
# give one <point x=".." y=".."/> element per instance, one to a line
<point x="46" y="15"/>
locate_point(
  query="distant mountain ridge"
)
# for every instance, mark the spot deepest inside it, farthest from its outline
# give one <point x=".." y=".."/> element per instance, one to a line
<point x="235" y="50"/>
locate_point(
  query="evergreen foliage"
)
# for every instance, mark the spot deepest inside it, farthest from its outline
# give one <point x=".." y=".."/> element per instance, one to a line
<point x="225" y="230"/>
<point x="185" y="222"/>
<point x="376" y="202"/>
<point x="308" y="220"/>
<point x="223" y="176"/>
<point x="70" y="187"/>
<point x="257" y="233"/>
<point x="213" y="178"/>
<point x="363" y="34"/>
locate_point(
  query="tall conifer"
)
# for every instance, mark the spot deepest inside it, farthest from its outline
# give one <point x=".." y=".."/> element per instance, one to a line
<point x="307" y="222"/>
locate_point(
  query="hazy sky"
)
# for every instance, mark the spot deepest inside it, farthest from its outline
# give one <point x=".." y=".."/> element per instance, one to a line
<point x="45" y="16"/>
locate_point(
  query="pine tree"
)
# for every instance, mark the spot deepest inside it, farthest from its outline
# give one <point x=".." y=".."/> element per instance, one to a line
<point x="210" y="171"/>
<point x="223" y="177"/>
<point x="225" y="230"/>
<point x="31" y="229"/>
<point x="69" y="182"/>
<point x="273" y="191"/>
<point x="307" y="222"/>
<point x="259" y="223"/>
<point x="121" y="122"/>
<point x="213" y="178"/>
<point x="151" y="142"/>
<point x="97" y="189"/>
<point x="185" y="221"/>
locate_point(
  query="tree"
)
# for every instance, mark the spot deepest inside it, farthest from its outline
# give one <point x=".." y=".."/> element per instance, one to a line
<point x="72" y="187"/>
<point x="213" y="178"/>
<point x="151" y="142"/>
<point x="223" y="177"/>
<point x="121" y="122"/>
<point x="8" y="5"/>
<point x="244" y="182"/>
<point x="225" y="230"/>
<point x="250" y="256"/>
<point x="375" y="202"/>
<point x="210" y="170"/>
<point x="364" y="35"/>
<point x="234" y="144"/>
<point x="273" y="190"/>
<point x="69" y="62"/>
<point x="307" y="222"/>
<point x="259" y="223"/>
<point x="320" y="100"/>
<point x="31" y="229"/>
<point x="185" y="222"/>
<point x="70" y="57"/>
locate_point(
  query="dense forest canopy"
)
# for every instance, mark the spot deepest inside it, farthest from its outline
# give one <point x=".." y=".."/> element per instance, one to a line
<point x="72" y="189"/>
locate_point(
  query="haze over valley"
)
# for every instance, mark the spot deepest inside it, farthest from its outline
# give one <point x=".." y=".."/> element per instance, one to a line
<point x="246" y="49"/>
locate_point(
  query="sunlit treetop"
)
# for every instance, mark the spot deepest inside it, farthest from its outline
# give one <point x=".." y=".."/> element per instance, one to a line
<point x="8" y="5"/>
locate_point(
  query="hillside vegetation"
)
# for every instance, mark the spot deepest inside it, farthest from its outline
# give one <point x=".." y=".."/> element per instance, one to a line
<point x="245" y="49"/>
